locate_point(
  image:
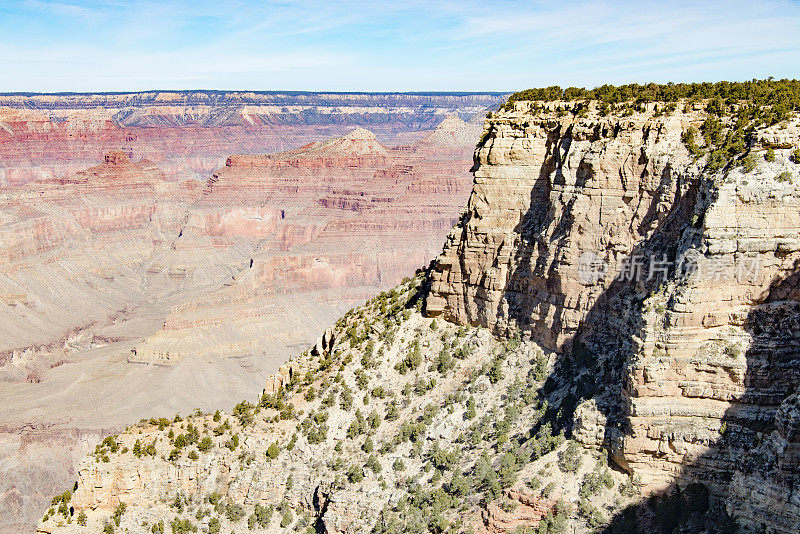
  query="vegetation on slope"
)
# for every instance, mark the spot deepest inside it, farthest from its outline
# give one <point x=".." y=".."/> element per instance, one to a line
<point x="414" y="424"/>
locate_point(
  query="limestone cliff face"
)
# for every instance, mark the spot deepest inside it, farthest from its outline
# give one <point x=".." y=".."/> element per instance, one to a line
<point x="546" y="191"/>
<point x="672" y="292"/>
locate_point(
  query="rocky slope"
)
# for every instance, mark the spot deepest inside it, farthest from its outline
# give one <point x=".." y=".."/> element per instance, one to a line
<point x="615" y="315"/>
<point x="391" y="419"/>
<point x="117" y="280"/>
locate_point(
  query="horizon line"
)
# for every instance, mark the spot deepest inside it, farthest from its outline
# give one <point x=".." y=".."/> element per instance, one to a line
<point x="257" y="91"/>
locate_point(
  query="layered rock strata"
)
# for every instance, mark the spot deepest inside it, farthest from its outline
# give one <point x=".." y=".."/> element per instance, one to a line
<point x="603" y="238"/>
<point x="188" y="134"/>
<point x="117" y="281"/>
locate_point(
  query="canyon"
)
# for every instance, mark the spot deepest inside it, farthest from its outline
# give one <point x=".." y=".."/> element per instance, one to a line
<point x="189" y="134"/>
<point x="608" y="341"/>
<point x="156" y="259"/>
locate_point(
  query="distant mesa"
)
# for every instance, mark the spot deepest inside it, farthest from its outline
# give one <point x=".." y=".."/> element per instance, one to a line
<point x="117" y="168"/>
<point x="355" y="148"/>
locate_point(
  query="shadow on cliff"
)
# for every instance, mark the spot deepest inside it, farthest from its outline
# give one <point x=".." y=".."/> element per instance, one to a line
<point x="701" y="497"/>
<point x="615" y="318"/>
<point x="594" y="362"/>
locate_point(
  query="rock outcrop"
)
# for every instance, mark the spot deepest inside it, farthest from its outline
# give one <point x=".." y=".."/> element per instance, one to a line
<point x="603" y="238"/>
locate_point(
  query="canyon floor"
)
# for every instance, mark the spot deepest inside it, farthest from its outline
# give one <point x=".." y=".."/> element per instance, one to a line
<point x="130" y="288"/>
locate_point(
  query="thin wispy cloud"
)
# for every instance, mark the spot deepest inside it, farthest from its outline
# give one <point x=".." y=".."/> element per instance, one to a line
<point x="50" y="45"/>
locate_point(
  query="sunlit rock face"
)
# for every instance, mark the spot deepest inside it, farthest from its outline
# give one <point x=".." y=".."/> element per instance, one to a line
<point x="674" y="292"/>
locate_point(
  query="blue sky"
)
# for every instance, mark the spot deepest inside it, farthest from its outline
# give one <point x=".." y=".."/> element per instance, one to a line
<point x="118" y="45"/>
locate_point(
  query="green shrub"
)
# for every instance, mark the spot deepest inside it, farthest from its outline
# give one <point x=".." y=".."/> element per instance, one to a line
<point x="459" y="485"/>
<point x="411" y="361"/>
<point x="367" y="446"/>
<point x="392" y="412"/>
<point x="594" y="519"/>
<point x="428" y="413"/>
<point x="362" y="380"/>
<point x="374" y="420"/>
<point x="373" y="465"/>
<point x="263" y="515"/>
<point x="769" y="155"/>
<point x="182" y="526"/>
<point x="496" y="370"/>
<point x="222" y="429"/>
<point x="629" y="489"/>
<point x="205" y="444"/>
<point x="785" y="176"/>
<point x="82" y="518"/>
<point x="233" y="442"/>
<point x="355" y="474"/>
<point x="118" y="511"/>
<point x="569" y="460"/>
<point x="272" y="451"/>
<point x="470" y="412"/>
<point x="287" y="518"/>
<point x="749" y="163"/>
<point x="443" y="362"/>
<point x="234" y="512"/>
<point x="689" y="138"/>
<point x="732" y="351"/>
<point x="595" y="482"/>
<point x="346" y="399"/>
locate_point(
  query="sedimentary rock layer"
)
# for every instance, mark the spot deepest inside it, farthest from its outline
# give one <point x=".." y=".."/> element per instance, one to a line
<point x="188" y="134"/>
<point x="116" y="271"/>
<point x="602" y="237"/>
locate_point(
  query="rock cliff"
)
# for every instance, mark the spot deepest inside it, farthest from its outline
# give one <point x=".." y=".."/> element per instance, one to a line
<point x="603" y="238"/>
